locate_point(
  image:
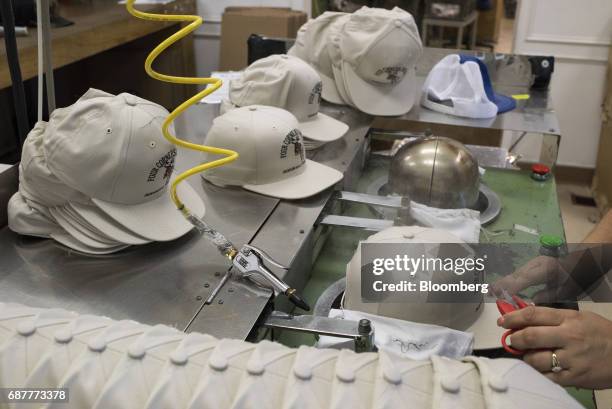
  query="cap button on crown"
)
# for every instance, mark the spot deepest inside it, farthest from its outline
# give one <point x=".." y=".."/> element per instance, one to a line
<point x="450" y="385"/>
<point x="303" y="372"/>
<point x="345" y="375"/>
<point x="392" y="375"/>
<point x="97" y="345"/>
<point x="498" y="384"/>
<point x="63" y="336"/>
<point x="398" y="23"/>
<point x="218" y="363"/>
<point x="179" y="358"/>
<point x="136" y="352"/>
<point x="255" y="368"/>
<point x="26" y="329"/>
<point x="131" y="100"/>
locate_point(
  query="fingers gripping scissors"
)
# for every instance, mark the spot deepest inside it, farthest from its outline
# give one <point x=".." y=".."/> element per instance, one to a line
<point x="505" y="305"/>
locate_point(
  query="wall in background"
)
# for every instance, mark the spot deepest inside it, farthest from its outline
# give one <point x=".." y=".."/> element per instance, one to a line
<point x="579" y="35"/>
<point x="207" y="38"/>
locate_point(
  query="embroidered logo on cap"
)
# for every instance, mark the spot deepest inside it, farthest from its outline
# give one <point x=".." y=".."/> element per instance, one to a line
<point x="166" y="163"/>
<point x="293" y="138"/>
<point x="394" y="74"/>
<point x="315" y="94"/>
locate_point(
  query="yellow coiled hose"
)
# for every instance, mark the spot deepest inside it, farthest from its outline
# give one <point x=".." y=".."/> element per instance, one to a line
<point x="215" y="84"/>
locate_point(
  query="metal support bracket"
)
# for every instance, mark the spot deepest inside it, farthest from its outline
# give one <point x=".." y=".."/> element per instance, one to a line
<point x="362" y="332"/>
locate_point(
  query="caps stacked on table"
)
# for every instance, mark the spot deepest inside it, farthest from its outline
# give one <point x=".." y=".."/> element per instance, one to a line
<point x="95" y="177"/>
<point x="287" y="82"/>
<point x="272" y="159"/>
<point x="371" y="55"/>
<point x="460" y="85"/>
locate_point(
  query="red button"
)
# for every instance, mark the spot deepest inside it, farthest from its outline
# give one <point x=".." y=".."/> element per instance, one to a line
<point x="540" y="169"/>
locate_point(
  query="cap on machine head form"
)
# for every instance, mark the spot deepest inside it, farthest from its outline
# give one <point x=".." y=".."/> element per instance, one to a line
<point x="111" y="148"/>
<point x="272" y="158"/>
<point x="312" y="44"/>
<point x="380" y="49"/>
<point x="290" y="83"/>
<point x="470" y="314"/>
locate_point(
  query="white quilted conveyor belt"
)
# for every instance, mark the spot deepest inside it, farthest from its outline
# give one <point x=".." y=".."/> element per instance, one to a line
<point x="107" y="364"/>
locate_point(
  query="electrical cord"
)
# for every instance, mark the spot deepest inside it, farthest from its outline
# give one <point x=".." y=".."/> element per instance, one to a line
<point x="214" y="84"/>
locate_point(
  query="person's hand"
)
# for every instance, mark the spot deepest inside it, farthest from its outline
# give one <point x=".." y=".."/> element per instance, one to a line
<point x="539" y="270"/>
<point x="582" y="342"/>
<point x="551" y="271"/>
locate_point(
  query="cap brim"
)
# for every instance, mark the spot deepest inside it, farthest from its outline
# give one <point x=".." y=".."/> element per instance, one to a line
<point x="504" y="103"/>
<point x="70" y="242"/>
<point x="487" y="335"/>
<point x="323" y="128"/>
<point x="330" y="91"/>
<point x="107" y="225"/>
<point x="80" y="233"/>
<point x="159" y="219"/>
<point x="314" y="179"/>
<point x="383" y="100"/>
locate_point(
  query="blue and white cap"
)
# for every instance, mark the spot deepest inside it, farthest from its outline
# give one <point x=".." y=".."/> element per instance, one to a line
<point x="460" y="85"/>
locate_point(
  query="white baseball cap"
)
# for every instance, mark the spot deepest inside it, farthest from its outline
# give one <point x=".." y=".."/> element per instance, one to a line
<point x="477" y="316"/>
<point x="311" y="45"/>
<point x="272" y="158"/>
<point x="111" y="148"/>
<point x="288" y="82"/>
<point x="457" y="89"/>
<point x="334" y="50"/>
<point x="380" y="49"/>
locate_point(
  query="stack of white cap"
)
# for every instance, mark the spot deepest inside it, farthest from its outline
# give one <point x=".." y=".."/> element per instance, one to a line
<point x="288" y="82"/>
<point x="95" y="177"/>
<point x="272" y="159"/>
<point x="366" y="59"/>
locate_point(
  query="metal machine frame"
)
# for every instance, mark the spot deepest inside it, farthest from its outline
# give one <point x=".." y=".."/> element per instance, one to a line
<point x="178" y="283"/>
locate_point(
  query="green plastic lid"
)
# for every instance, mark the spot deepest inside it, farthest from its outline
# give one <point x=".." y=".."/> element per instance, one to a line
<point x="551" y="241"/>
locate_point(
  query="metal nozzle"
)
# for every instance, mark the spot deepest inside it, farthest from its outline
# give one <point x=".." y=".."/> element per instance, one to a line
<point x="250" y="260"/>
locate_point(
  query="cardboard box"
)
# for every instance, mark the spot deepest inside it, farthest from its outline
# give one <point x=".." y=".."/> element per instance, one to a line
<point x="489" y="23"/>
<point x="602" y="182"/>
<point x="239" y="23"/>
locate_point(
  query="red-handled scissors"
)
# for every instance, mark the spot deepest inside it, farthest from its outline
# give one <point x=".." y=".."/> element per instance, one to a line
<point x="506" y="305"/>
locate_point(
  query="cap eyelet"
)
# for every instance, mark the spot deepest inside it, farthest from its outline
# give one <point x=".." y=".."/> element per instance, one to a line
<point x="109" y="130"/>
<point x="152" y="144"/>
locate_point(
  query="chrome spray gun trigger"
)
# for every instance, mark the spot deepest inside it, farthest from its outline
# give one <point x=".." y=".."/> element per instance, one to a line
<point x="251" y="260"/>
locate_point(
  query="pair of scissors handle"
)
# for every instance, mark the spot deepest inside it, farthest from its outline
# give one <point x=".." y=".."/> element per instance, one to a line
<point x="509" y="348"/>
<point x="513" y="303"/>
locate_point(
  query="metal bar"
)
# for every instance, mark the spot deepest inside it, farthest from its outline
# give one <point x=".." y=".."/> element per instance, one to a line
<point x="47" y="53"/>
<point x="364" y="198"/>
<point x="12" y="56"/>
<point x="358" y="222"/>
<point x="313" y="324"/>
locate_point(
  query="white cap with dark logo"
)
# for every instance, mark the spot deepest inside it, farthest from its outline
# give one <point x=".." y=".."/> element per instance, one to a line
<point x="380" y="49"/>
<point x="272" y="157"/>
<point x="289" y="83"/>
